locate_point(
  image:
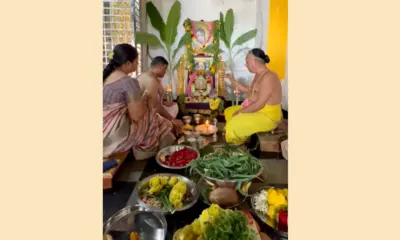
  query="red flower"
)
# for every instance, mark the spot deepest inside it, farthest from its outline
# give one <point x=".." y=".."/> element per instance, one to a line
<point x="204" y="46"/>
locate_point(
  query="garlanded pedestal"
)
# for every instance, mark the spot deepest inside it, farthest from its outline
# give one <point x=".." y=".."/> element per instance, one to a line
<point x="212" y="107"/>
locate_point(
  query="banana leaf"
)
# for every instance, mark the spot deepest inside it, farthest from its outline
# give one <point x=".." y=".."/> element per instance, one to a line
<point x="245" y="37"/>
<point x="222" y="30"/>
<point x="147" y="39"/>
<point x="185" y="39"/>
<point x="228" y="25"/>
<point x="177" y="64"/>
<point x="209" y="49"/>
<point x="171" y="28"/>
<point x="156" y="20"/>
<point x="241" y="50"/>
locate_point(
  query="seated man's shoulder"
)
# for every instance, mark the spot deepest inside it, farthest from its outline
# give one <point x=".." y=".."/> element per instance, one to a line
<point x="271" y="75"/>
<point x="145" y="80"/>
<point x="141" y="77"/>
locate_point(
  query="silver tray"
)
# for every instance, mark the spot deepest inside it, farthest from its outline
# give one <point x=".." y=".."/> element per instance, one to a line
<point x="205" y="188"/>
<point x="191" y="188"/>
<point x="230" y="182"/>
<point x="171" y="149"/>
<point x="260" y="215"/>
<point x="151" y="225"/>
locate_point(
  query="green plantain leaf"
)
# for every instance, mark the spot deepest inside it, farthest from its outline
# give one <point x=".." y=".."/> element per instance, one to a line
<point x="222" y="30"/>
<point x="147" y="38"/>
<point x="185" y="39"/>
<point x="245" y="37"/>
<point x="228" y="25"/>
<point x="171" y="28"/>
<point x="241" y="50"/>
<point x="156" y="20"/>
<point x="209" y="49"/>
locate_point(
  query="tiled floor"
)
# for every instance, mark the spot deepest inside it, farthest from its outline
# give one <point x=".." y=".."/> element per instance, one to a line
<point x="130" y="171"/>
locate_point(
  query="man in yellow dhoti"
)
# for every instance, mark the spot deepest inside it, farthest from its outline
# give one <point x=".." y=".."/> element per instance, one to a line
<point x="150" y="82"/>
<point x="261" y="111"/>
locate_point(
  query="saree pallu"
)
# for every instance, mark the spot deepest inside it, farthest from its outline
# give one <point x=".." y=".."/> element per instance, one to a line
<point x="120" y="134"/>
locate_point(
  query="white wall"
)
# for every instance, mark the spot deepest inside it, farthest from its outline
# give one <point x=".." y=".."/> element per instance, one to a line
<point x="249" y="14"/>
<point x="245" y="12"/>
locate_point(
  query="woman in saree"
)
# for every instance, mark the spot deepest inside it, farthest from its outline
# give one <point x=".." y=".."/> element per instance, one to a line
<point x="129" y="122"/>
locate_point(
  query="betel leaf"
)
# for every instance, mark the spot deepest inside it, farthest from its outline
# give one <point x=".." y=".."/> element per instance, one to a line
<point x="147" y="38"/>
<point x="228" y="25"/>
<point x="185" y="39"/>
<point x="156" y="20"/>
<point x="171" y="28"/>
<point x="221" y="29"/>
<point x="245" y="37"/>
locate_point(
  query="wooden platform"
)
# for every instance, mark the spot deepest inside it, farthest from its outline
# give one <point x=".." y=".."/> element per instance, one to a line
<point x="271" y="141"/>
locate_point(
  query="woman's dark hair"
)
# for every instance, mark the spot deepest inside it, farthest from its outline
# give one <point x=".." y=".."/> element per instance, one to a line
<point x="122" y="53"/>
<point x="259" y="53"/>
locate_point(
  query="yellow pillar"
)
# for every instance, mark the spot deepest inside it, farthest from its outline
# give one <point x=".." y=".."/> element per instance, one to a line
<point x="277" y="36"/>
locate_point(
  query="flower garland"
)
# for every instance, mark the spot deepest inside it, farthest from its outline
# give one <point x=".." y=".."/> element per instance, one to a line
<point x="212" y="49"/>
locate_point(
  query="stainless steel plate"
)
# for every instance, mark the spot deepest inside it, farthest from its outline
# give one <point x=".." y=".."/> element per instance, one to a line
<point x="191" y="189"/>
<point x="149" y="225"/>
<point x="261" y="215"/>
<point x="229" y="182"/>
<point x="205" y="187"/>
<point x="171" y="149"/>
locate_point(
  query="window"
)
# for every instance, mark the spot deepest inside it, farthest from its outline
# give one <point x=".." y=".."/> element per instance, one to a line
<point x="121" y="18"/>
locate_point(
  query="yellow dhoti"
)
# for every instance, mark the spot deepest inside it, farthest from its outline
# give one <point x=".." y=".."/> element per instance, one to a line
<point x="240" y="127"/>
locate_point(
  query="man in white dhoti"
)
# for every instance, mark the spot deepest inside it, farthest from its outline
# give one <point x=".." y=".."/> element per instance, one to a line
<point x="150" y="81"/>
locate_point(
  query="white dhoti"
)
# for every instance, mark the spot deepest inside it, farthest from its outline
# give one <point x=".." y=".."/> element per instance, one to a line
<point x="172" y="110"/>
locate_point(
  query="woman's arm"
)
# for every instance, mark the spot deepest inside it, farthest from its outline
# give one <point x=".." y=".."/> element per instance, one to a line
<point x="243" y="88"/>
<point x="137" y="106"/>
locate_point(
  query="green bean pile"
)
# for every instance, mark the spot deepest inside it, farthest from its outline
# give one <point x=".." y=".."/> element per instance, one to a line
<point x="227" y="164"/>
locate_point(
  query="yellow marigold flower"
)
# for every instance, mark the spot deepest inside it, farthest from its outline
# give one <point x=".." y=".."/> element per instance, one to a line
<point x="212" y="69"/>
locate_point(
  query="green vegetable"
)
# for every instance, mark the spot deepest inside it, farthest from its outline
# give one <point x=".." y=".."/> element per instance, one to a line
<point x="229" y="225"/>
<point x="162" y="196"/>
<point x="227" y="164"/>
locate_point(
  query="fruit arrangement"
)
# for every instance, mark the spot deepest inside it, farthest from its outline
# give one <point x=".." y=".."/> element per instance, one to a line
<point x="179" y="158"/>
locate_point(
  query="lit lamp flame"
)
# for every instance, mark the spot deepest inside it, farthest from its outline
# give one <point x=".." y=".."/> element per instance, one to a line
<point x="169" y="88"/>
